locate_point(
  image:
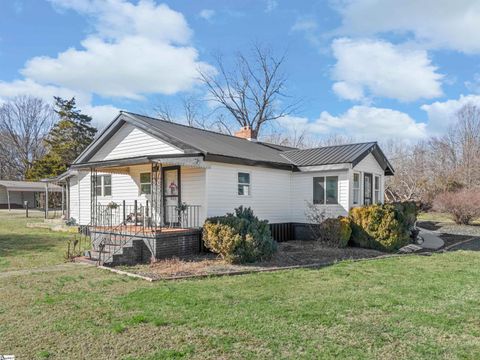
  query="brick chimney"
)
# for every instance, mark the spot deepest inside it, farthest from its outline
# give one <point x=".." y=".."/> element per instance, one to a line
<point x="246" y="132"/>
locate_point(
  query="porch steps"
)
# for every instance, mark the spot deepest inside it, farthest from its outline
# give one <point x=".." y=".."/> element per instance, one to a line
<point x="118" y="250"/>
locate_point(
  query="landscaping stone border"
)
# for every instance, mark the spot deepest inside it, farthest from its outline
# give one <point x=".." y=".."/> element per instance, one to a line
<point x="244" y="272"/>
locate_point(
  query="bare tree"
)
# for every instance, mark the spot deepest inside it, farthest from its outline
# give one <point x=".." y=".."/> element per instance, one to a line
<point x="253" y="91"/>
<point x="24" y="123"/>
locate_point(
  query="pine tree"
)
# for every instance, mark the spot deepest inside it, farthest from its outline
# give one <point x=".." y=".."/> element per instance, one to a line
<point x="68" y="138"/>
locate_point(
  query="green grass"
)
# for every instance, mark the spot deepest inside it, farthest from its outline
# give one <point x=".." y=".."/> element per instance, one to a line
<point x="438" y="217"/>
<point x="412" y="307"/>
<point x="23" y="248"/>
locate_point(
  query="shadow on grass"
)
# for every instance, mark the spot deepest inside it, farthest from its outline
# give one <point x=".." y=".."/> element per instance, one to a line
<point x="26" y="244"/>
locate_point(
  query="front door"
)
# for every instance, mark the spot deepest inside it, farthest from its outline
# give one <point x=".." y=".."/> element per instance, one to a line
<point x="171" y="194"/>
<point x="367" y="189"/>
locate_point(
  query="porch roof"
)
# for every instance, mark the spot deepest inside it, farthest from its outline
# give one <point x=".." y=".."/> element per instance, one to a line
<point x="194" y="160"/>
<point x="29" y="186"/>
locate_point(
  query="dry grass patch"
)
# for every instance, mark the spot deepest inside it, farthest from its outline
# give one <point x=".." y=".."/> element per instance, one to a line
<point x="291" y="253"/>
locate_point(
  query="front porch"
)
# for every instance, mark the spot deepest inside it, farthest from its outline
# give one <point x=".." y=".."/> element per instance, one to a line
<point x="140" y="212"/>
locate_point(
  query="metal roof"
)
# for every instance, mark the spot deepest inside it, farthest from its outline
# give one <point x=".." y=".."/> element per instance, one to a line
<point x="28" y="186"/>
<point x="210" y="142"/>
<point x="338" y="154"/>
<point x="215" y="146"/>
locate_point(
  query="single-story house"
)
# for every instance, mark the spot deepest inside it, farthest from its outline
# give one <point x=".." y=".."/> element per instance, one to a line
<point x="14" y="194"/>
<point x="167" y="175"/>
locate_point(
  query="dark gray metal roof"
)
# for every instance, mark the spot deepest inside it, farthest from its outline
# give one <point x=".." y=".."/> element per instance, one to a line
<point x="215" y="146"/>
<point x="213" y="143"/>
<point x="338" y="154"/>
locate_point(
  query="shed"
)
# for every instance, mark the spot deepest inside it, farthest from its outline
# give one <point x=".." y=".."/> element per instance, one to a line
<point x="13" y="194"/>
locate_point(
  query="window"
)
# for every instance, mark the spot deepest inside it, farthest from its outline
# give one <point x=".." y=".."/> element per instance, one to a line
<point x="103" y="185"/>
<point x="377" y="189"/>
<point x="325" y="190"/>
<point x="145" y="183"/>
<point x="356" y="188"/>
<point x="243" y="184"/>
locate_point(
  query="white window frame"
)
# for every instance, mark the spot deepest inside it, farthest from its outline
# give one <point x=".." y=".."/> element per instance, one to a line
<point x="249" y="184"/>
<point x="325" y="190"/>
<point x="376" y="192"/>
<point x="101" y="185"/>
<point x="356" y="189"/>
<point x="145" y="183"/>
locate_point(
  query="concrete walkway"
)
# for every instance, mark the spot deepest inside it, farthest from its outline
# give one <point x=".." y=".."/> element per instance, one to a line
<point x="431" y="241"/>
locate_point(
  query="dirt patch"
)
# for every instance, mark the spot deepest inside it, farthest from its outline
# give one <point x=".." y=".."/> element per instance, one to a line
<point x="291" y="253"/>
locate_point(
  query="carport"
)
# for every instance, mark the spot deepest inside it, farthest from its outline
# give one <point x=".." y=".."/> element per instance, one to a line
<point x="13" y="194"/>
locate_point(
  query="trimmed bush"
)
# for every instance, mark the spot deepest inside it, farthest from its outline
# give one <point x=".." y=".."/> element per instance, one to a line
<point x="239" y="237"/>
<point x="383" y="227"/>
<point x="463" y="206"/>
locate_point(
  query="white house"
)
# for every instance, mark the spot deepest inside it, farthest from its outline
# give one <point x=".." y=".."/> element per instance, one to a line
<point x="165" y="168"/>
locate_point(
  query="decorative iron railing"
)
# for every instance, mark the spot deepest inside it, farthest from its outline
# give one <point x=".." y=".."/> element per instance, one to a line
<point x="144" y="216"/>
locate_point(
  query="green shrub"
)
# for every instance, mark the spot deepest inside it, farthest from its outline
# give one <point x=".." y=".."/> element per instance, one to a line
<point x="239" y="237"/>
<point x="383" y="227"/>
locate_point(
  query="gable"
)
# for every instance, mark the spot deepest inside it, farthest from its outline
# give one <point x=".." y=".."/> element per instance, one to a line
<point x="129" y="141"/>
<point x="369" y="164"/>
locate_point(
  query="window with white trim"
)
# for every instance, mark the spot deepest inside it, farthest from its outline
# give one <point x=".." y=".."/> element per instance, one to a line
<point x="325" y="190"/>
<point x="243" y="184"/>
<point x="145" y="183"/>
<point x="377" y="189"/>
<point x="356" y="188"/>
<point x="103" y="185"/>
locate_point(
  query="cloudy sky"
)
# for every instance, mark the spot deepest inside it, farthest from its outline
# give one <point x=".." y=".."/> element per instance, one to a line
<point x="369" y="69"/>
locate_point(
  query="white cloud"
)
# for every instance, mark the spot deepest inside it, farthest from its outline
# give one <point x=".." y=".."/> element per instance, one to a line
<point x="442" y="114"/>
<point x="207" y="14"/>
<point x="474" y="85"/>
<point x="270" y="5"/>
<point x="375" y="68"/>
<point x="436" y="23"/>
<point x="362" y="123"/>
<point x="136" y="50"/>
<point x="309" y="27"/>
<point x="101" y="114"/>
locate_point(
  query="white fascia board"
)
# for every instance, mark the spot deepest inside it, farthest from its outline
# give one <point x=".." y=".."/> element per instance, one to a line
<point x="329" y="167"/>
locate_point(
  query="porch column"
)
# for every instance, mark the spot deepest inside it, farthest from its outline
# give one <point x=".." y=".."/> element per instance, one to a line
<point x="8" y="199"/>
<point x="63" y="200"/>
<point x="46" y="200"/>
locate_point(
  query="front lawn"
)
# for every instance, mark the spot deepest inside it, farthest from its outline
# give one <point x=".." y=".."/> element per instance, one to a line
<point x="410" y="307"/>
<point x="22" y="247"/>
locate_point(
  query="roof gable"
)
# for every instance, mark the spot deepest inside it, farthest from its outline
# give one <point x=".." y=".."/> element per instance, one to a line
<point x="130" y="141"/>
<point x="338" y="154"/>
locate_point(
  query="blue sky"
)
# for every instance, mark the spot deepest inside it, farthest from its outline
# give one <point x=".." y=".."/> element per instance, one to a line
<point x="372" y="70"/>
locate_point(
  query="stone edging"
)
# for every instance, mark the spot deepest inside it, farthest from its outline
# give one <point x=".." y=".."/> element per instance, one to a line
<point x="447" y="248"/>
<point x="244" y="272"/>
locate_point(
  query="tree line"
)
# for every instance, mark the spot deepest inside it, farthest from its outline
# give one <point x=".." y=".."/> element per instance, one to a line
<point x="39" y="141"/>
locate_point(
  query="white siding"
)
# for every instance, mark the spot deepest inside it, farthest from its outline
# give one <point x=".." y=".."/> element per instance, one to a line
<point x="368" y="165"/>
<point x="127" y="187"/>
<point x="80" y="198"/>
<point x="130" y="141"/>
<point x="270" y="191"/>
<point x="302" y="193"/>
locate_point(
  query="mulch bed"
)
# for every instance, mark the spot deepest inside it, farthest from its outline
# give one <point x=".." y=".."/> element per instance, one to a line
<point x="290" y="254"/>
